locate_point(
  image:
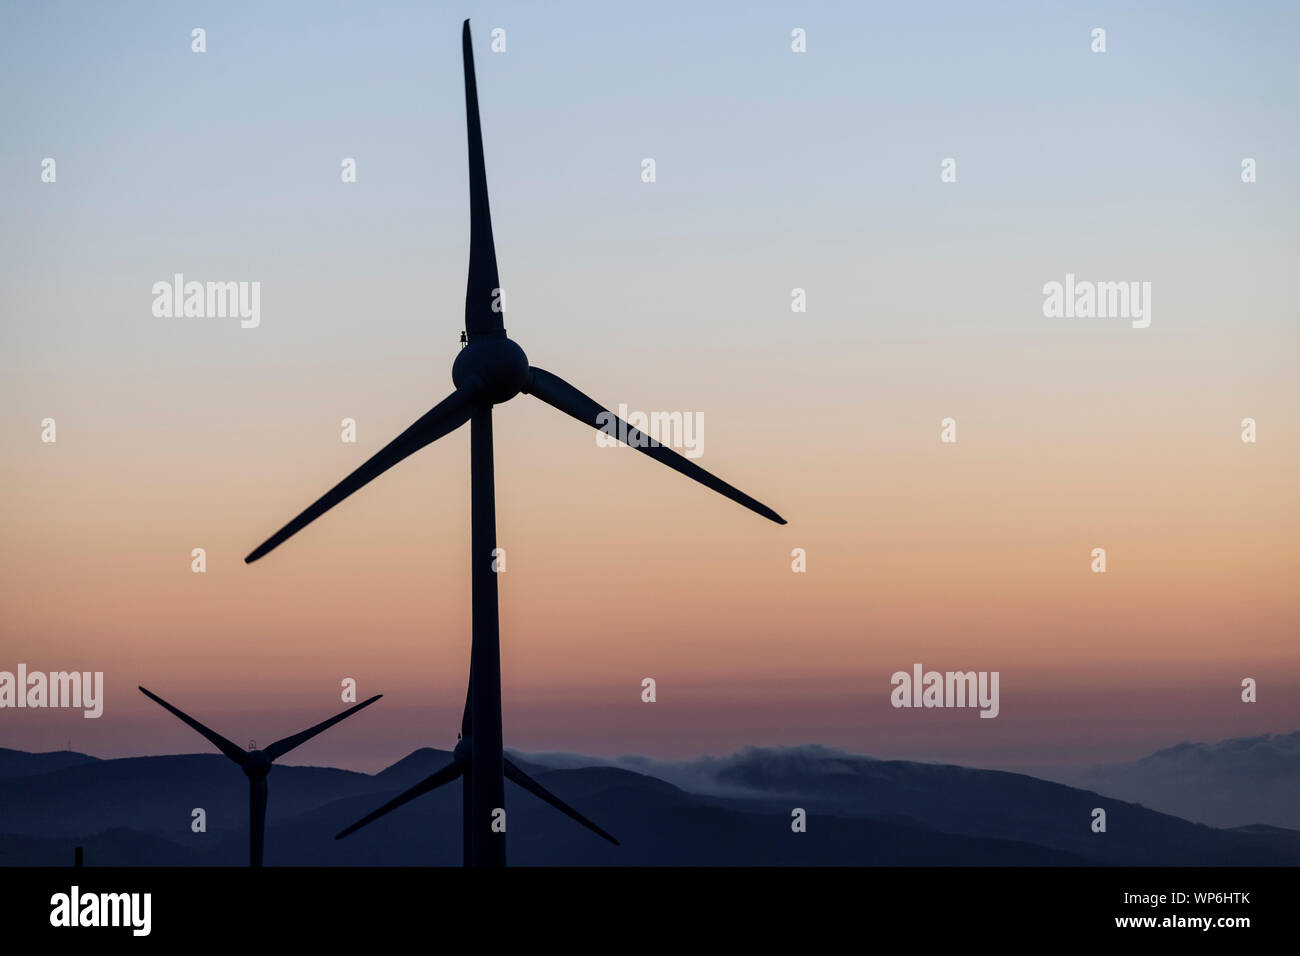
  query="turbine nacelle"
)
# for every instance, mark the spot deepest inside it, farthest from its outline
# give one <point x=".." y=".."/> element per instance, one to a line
<point x="497" y="362"/>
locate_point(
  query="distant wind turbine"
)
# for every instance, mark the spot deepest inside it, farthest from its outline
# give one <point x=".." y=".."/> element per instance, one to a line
<point x="256" y="764"/>
<point x="490" y="369"/>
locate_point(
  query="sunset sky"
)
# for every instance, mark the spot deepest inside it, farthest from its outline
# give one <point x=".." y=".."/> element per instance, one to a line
<point x="775" y="171"/>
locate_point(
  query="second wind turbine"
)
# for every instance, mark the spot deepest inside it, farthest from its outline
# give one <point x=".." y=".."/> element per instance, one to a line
<point x="490" y="369"/>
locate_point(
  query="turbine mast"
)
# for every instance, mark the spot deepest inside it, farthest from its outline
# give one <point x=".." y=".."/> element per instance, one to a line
<point x="256" y="819"/>
<point x="487" y="761"/>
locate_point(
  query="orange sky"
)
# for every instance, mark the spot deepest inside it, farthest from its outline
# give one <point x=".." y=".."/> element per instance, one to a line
<point x="967" y="556"/>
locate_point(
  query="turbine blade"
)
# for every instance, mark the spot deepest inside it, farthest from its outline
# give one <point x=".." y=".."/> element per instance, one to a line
<point x="448" y="415"/>
<point x="237" y="754"/>
<point x="282" y="747"/>
<point x="483" y="285"/>
<point x="556" y="391"/>
<point x="446" y="775"/>
<point x="536" y="789"/>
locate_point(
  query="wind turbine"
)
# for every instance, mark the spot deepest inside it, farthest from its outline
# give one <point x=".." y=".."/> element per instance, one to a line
<point x="489" y="370"/>
<point x="256" y="764"/>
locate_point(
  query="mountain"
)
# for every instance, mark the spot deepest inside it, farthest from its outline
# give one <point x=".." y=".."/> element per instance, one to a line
<point x="1234" y="783"/>
<point x="19" y="763"/>
<point x="981" y="803"/>
<point x="120" y="846"/>
<point x="736" y="811"/>
<point x="159" y="794"/>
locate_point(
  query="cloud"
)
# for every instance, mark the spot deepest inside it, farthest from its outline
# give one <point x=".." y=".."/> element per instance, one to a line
<point x="750" y="772"/>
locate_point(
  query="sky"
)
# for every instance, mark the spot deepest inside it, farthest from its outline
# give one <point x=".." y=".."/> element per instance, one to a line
<point x="774" y="171"/>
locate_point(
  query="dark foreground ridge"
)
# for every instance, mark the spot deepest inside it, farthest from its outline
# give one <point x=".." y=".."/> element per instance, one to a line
<point x="137" y="812"/>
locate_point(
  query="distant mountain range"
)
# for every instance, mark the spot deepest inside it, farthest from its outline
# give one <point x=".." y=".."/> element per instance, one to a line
<point x="735" y="810"/>
<point x="1235" y="782"/>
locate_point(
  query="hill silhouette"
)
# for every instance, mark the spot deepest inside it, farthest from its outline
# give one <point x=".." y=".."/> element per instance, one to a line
<point x="20" y="763"/>
<point x="860" y="811"/>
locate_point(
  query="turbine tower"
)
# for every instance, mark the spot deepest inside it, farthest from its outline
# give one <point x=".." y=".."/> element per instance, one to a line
<point x="489" y="370"/>
<point x="256" y="764"/>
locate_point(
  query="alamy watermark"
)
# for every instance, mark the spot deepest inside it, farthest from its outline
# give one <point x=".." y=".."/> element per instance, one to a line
<point x="949" y="689"/>
<point x="681" y="430"/>
<point x="84" y="689"/>
<point x="1098" y="300"/>
<point x="208" y="300"/>
<point x="75" y="908"/>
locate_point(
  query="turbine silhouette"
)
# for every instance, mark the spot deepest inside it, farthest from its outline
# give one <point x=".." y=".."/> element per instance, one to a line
<point x="256" y="764"/>
<point x="490" y="369"/>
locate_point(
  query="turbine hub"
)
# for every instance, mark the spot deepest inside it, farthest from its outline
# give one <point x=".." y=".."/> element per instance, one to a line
<point x="498" y="362"/>
<point x="464" y="748"/>
<point x="257" y="765"/>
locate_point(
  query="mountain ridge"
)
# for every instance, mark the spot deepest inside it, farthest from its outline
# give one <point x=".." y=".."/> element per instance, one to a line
<point x="859" y="811"/>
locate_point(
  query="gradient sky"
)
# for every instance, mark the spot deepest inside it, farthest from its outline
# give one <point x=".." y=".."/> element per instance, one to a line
<point x="775" y="171"/>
